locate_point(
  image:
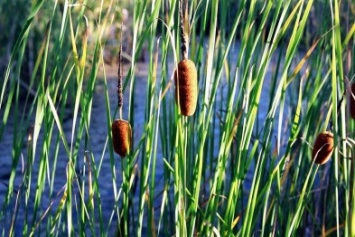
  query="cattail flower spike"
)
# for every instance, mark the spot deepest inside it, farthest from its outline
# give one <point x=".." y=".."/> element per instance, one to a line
<point x="186" y="84"/>
<point x="121" y="129"/>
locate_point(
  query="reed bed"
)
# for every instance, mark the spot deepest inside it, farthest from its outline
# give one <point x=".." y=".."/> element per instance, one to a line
<point x="242" y="160"/>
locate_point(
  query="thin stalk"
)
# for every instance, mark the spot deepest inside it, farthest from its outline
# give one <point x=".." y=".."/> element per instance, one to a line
<point x="119" y="81"/>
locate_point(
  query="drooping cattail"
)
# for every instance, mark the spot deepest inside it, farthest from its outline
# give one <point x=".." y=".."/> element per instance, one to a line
<point x="121" y="136"/>
<point x="186" y="87"/>
<point x="323" y="147"/>
<point x="352" y="101"/>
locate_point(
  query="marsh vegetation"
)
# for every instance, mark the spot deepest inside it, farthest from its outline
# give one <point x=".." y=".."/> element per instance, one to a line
<point x="272" y="76"/>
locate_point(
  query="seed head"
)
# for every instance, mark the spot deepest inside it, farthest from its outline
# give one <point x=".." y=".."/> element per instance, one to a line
<point x="323" y="148"/>
<point x="121" y="137"/>
<point x="186" y="87"/>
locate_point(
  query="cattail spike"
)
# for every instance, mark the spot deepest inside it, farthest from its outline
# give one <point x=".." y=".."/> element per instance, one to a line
<point x="121" y="136"/>
<point x="323" y="148"/>
<point x="186" y="85"/>
<point x="121" y="129"/>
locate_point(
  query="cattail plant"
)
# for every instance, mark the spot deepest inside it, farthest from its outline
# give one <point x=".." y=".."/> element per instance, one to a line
<point x="121" y="129"/>
<point x="323" y="147"/>
<point x="186" y="84"/>
<point x="352" y="101"/>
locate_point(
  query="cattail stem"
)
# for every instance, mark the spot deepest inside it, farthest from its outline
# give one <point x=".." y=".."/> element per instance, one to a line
<point x="182" y="9"/>
<point x="119" y="81"/>
<point x="330" y="125"/>
<point x="352" y="100"/>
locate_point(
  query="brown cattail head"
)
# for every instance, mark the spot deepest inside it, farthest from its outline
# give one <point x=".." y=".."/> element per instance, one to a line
<point x="323" y="148"/>
<point x="352" y="101"/>
<point x="186" y="87"/>
<point x="121" y="137"/>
